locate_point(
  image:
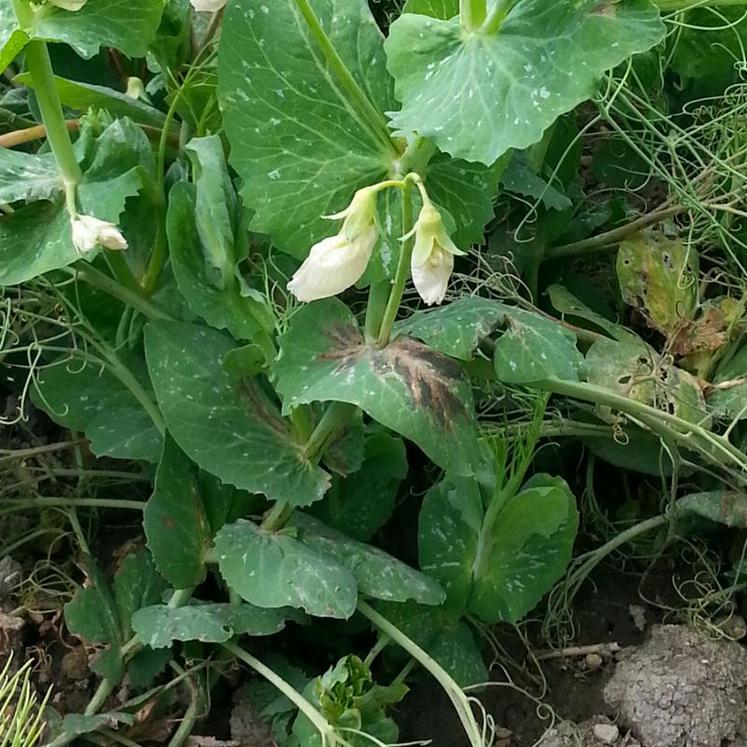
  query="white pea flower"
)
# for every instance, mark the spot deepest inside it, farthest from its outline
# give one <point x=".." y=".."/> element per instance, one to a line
<point x="89" y="231"/>
<point x="432" y="256"/>
<point x="338" y="262"/>
<point x="208" y="5"/>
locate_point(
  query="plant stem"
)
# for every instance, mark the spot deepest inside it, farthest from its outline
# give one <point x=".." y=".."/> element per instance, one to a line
<point x="277" y="517"/>
<point x="472" y="13"/>
<point x="403" y="268"/>
<point x="335" y="418"/>
<point x="104" y="283"/>
<point x="373" y="117"/>
<point x="455" y="693"/>
<point x="604" y="241"/>
<point x="378" y="293"/>
<point x="674" y="5"/>
<point x="693" y="436"/>
<point x="54" y="502"/>
<point x="303" y="705"/>
<point x="42" y="76"/>
<point x="497" y="16"/>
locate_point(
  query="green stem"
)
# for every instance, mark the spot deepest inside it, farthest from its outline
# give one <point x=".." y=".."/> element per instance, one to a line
<point x="604" y="241"/>
<point x="320" y="723"/>
<point x="121" y="271"/>
<point x="403" y="268"/>
<point x="455" y="693"/>
<point x="104" y="283"/>
<point x="472" y="13"/>
<point x="42" y="76"/>
<point x="693" y="436"/>
<point x="277" y="517"/>
<point x="416" y="157"/>
<point x="373" y="117"/>
<point x="675" y="5"/>
<point x="495" y="20"/>
<point x="335" y="418"/>
<point x="54" y="502"/>
<point x="378" y="293"/>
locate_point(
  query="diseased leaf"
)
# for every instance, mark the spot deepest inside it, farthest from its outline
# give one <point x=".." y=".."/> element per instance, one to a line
<point x="478" y="94"/>
<point x="26" y="176"/>
<point x="273" y="570"/>
<point x="159" y="626"/>
<point x="230" y="429"/>
<point x="76" y="724"/>
<point x="729" y="399"/>
<point x="136" y="585"/>
<point x="377" y="573"/>
<point x="520" y="179"/>
<point x="405" y="386"/>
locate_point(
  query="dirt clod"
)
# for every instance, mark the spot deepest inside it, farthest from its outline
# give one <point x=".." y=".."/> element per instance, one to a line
<point x="681" y="689"/>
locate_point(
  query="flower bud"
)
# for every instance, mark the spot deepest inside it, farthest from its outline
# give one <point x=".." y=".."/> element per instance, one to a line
<point x="432" y="256"/>
<point x="89" y="231"/>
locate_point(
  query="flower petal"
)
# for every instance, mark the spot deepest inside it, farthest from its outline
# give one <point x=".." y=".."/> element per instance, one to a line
<point x="333" y="265"/>
<point x="431" y="279"/>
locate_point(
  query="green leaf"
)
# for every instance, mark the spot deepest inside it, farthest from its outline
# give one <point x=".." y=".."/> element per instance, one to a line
<point x="456" y="329"/>
<point x="26" y="176"/>
<point x="298" y="144"/>
<point x="499" y="571"/>
<point x="86" y="397"/>
<point x="437" y="8"/>
<point x="405" y="386"/>
<point x="93" y="616"/>
<point x="276" y="570"/>
<point x="229" y="429"/>
<point x="76" y="724"/>
<point x="450" y="522"/>
<point x="175" y="524"/>
<point x="222" y="307"/>
<point x="531" y="546"/>
<point x="731" y="401"/>
<point x="159" y="626"/>
<point x="146" y="665"/>
<point x="478" y="94"/>
<point x="520" y="179"/>
<point x="377" y="573"/>
<point x="566" y="303"/>
<point x="83" y="96"/>
<point x="725" y="507"/>
<point x="534" y="348"/>
<point x="361" y="504"/>
<point x="448" y="640"/>
<point x="11" y="45"/>
<point x="127" y="25"/>
<point x="37" y="238"/>
<point x="467" y="191"/>
<point x="136" y="585"/>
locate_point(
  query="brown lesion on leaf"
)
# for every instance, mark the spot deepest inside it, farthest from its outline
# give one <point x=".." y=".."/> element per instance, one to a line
<point x="261" y="407"/>
<point x="734" y="509"/>
<point x="431" y="378"/>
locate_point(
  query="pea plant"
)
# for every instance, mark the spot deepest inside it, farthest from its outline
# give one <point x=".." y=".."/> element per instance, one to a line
<point x="243" y="251"/>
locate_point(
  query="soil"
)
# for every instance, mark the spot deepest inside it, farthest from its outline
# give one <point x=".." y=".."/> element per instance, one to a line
<point x="579" y="691"/>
